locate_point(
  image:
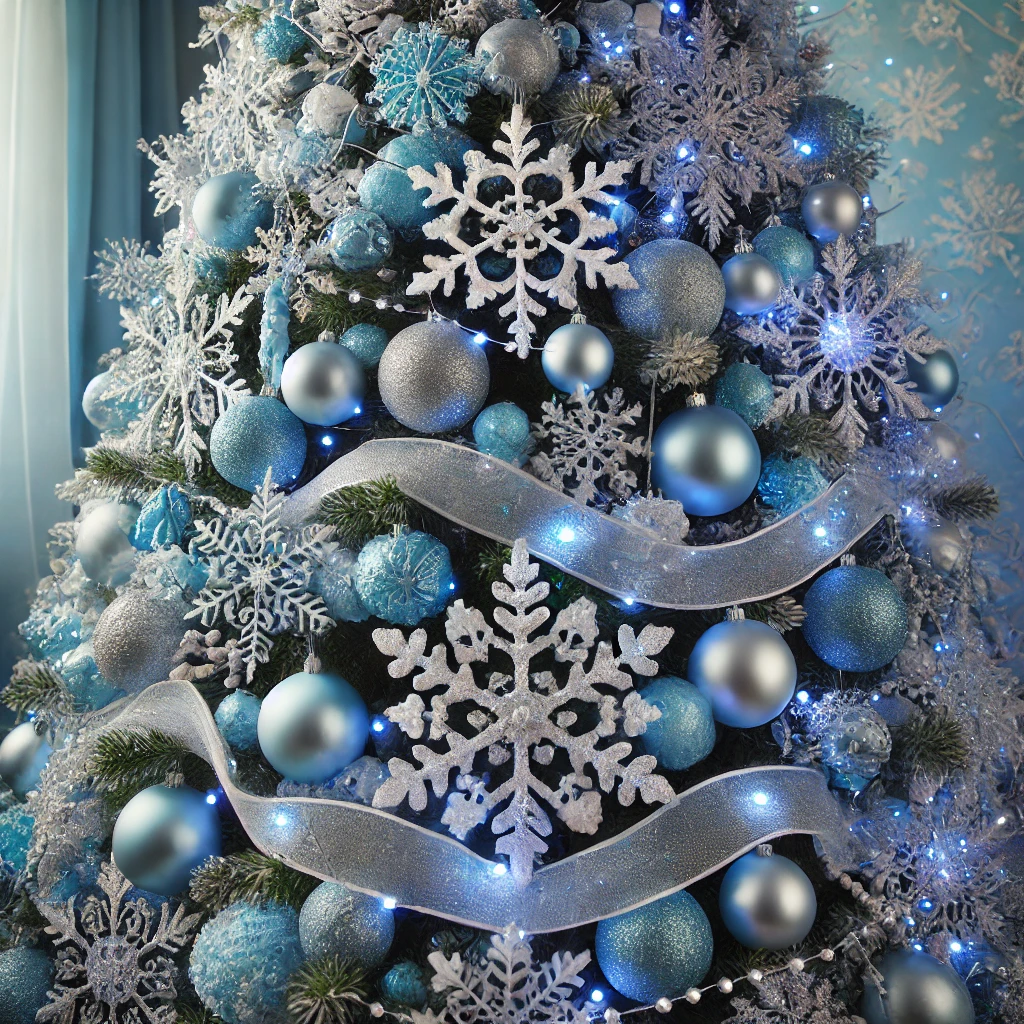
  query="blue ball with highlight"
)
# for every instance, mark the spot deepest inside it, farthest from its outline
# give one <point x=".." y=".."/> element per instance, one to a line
<point x="256" y="434"/>
<point x="367" y="343"/>
<point x="503" y="430"/>
<point x="236" y="717"/>
<point x="789" y="251"/>
<point x="26" y="975"/>
<point x="227" y="211"/>
<point x="685" y="733"/>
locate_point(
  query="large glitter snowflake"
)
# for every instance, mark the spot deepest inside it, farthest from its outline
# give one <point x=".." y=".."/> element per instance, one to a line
<point x="115" y="955"/>
<point x="259" y="575"/>
<point x="844" y="347"/>
<point x="523" y="720"/>
<point x="519" y="238"/>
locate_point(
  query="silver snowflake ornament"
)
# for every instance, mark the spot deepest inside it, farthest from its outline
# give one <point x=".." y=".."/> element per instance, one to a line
<point x="511" y="234"/>
<point x="521" y="720"/>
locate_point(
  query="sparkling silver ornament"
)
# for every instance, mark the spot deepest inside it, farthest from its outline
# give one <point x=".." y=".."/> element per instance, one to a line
<point x="23" y="756"/>
<point x="831" y="209"/>
<point x="752" y="284"/>
<point x="577" y="353"/>
<point x="433" y="377"/>
<point x="323" y="383"/>
<point x="918" y="990"/>
<point x="102" y="544"/>
<point x="937" y="378"/>
<point x="939" y="542"/>
<point x="337" y="921"/>
<point x="521" y="54"/>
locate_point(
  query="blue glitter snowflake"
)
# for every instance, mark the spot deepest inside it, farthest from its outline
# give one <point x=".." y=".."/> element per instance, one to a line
<point x="424" y="76"/>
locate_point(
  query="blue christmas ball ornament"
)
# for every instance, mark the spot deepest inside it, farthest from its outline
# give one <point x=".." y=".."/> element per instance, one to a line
<point x="107" y="413"/>
<point x="707" y="458"/>
<point x="311" y="725"/>
<point x="577" y="353"/>
<point x="227" y="211"/>
<point x="26" y="975"/>
<point x="503" y="430"/>
<point x="752" y="284"/>
<point x="660" y="949"/>
<point x="162" y="835"/>
<point x="15" y="838"/>
<point x="323" y="384"/>
<point x="243" y="959"/>
<point x="337" y="921"/>
<point x="334" y="580"/>
<point x="404" y="986"/>
<point x="789" y="251"/>
<point x="280" y="39"/>
<point x="163" y="520"/>
<point x="685" y="733"/>
<point x="790" y="484"/>
<point x="23" y="756"/>
<point x="854" y="747"/>
<point x="83" y="679"/>
<point x="258" y="433"/>
<point x="919" y="989"/>
<point x="102" y="544"/>
<point x="358" y="240"/>
<point x="236" y="717"/>
<point x="367" y="343"/>
<point x="856" y="620"/>
<point x="937" y="378"/>
<point x="404" y="578"/>
<point x="747" y="391"/>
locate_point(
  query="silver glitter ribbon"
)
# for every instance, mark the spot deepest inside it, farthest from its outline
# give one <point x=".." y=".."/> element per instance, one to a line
<point x="378" y="853"/>
<point x="494" y="498"/>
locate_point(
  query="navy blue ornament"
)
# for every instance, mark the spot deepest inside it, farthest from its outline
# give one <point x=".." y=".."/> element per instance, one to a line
<point x="503" y="430"/>
<point x="162" y="835"/>
<point x="918" y="990"/>
<point x="404" y="986"/>
<point x="258" y="433"/>
<point x="660" y="949"/>
<point x="280" y="39"/>
<point x="790" y="252"/>
<point x="577" y="353"/>
<point x="337" y="921"/>
<point x="790" y="484"/>
<point x="685" y="733"/>
<point x="856" y="620"/>
<point x="163" y="520"/>
<point x="23" y="756"/>
<point x="752" y="284"/>
<point x="358" y="240"/>
<point x="227" y="211"/>
<point x="747" y="390"/>
<point x="236" y="717"/>
<point x="26" y="975"/>
<point x="937" y="378"/>
<point x="404" y="578"/>
<point x="367" y="343"/>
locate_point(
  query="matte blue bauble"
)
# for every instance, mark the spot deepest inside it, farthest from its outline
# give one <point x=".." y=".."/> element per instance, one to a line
<point x="163" y="520"/>
<point x="681" y="289"/>
<point x="790" y="484"/>
<point x="747" y="390"/>
<point x="358" y="240"/>
<point x="23" y="756"/>
<point x="405" y="578"/>
<point x="685" y="733"/>
<point x="367" y="343"/>
<point x="311" y="725"/>
<point x="660" y="949"/>
<point x="707" y="458"/>
<point x="162" y="835"/>
<point x="752" y="284"/>
<point x="26" y="975"/>
<point x="334" y="580"/>
<point x="256" y="433"/>
<point x="919" y="989"/>
<point x="323" y="384"/>
<point x="856" y="620"/>
<point x="106" y="413"/>
<point x="336" y="921"/>
<point x="280" y="39"/>
<point x="404" y="986"/>
<point x="503" y="430"/>
<point x="15" y="839"/>
<point x="937" y="378"/>
<point x="236" y="717"/>
<point x="789" y="251"/>
<point x="577" y="354"/>
<point x="227" y="211"/>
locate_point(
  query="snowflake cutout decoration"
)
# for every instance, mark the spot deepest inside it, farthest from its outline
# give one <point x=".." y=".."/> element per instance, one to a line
<point x="259" y="575"/>
<point x="922" y="109"/>
<point x="115" y="955"/>
<point x="588" y="445"/>
<point x="424" y="76"/>
<point x="520" y="228"/>
<point x="522" y="720"/>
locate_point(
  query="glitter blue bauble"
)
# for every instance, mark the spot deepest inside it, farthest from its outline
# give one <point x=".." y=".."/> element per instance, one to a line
<point x="15" y="838"/>
<point x="577" y="354"/>
<point x="106" y="413"/>
<point x="503" y="430"/>
<point x="707" y="458"/>
<point x="163" y="520"/>
<point x="243" y="959"/>
<point x="358" y="240"/>
<point x="162" y="835"/>
<point x="25" y="977"/>
<point x="404" y="986"/>
<point x="311" y="725"/>
<point x="747" y="390"/>
<point x="23" y="756"/>
<point x="336" y="921"/>
<point x="660" y="949"/>
<point x="280" y="39"/>
<point x="681" y="289"/>
<point x="685" y="733"/>
<point x="856" y="620"/>
<point x="752" y="284"/>
<point x="937" y="378"/>
<point x="237" y="715"/>
<point x="367" y="343"/>
<point x="790" y="484"/>
<point x="825" y="124"/>
<point x="256" y="433"/>
<point x="227" y="211"/>
<point x="919" y="989"/>
<point x="405" y="578"/>
<point x="789" y="251"/>
<point x="334" y="580"/>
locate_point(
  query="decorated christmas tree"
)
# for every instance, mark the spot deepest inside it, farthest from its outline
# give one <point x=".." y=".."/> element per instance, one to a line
<point x="523" y="575"/>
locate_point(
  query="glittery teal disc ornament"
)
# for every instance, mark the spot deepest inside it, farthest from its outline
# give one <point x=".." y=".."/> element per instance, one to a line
<point x="503" y="430"/>
<point x="26" y="974"/>
<point x="336" y="921"/>
<point x="747" y="390"/>
<point x="790" y="484"/>
<point x="404" y="986"/>
<point x="685" y="733"/>
<point x="367" y="343"/>
<point x="280" y="39"/>
<point x="789" y="251"/>
<point x="258" y="433"/>
<point x="358" y="240"/>
<point x="660" y="949"/>
<point x="227" y="211"/>
<point x="405" y="578"/>
<point x="236" y="717"/>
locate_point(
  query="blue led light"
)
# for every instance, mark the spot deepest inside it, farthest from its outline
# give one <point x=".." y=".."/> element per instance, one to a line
<point x="629" y="600"/>
<point x="668" y="218"/>
<point x="498" y="870"/>
<point x="596" y="995"/>
<point x="451" y="586"/>
<point x="955" y="947"/>
<point x="281" y="820"/>
<point x="888" y="62"/>
<point x="389" y="902"/>
<point x="327" y="440"/>
<point x="803" y="696"/>
<point x="820" y="531"/>
<point x="211" y="798"/>
<point x="675" y="9"/>
<point x="480" y="338"/>
<point x="805" y="148"/>
<point x="378" y="724"/>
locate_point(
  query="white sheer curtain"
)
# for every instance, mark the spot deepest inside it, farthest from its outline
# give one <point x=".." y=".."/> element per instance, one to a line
<point x="35" y="450"/>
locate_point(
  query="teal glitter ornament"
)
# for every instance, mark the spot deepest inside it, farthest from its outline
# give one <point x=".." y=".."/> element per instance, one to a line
<point x="404" y="986"/>
<point x="405" y="578"/>
<point x="334" y="580"/>
<point x="26" y="976"/>
<point x="367" y="343"/>
<point x="919" y="989"/>
<point x="280" y="39"/>
<point x="789" y="251"/>
<point x="790" y="484"/>
<point x="660" y="949"/>
<point x="256" y="434"/>
<point x="243" y="959"/>
<point x="15" y="838"/>
<point x="937" y="378"/>
<point x="856" y="620"/>
<point x="747" y="391"/>
<point x="163" y="520"/>
<point x="685" y="733"/>
<point x="503" y="430"/>
<point x="358" y="240"/>
<point x="337" y="921"/>
<point x="23" y="756"/>
<point x="236" y="717"/>
<point x="227" y="211"/>
<point x="274" y="340"/>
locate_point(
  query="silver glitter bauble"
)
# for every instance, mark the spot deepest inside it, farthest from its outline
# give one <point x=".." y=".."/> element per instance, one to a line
<point x="577" y="353"/>
<point x="102" y="544"/>
<point x="323" y="383"/>
<point x="23" y="756"/>
<point x="337" y="921"/>
<point x="136" y="637"/>
<point x="433" y="377"/>
<point x="940" y="543"/>
<point x="918" y="990"/>
<point x="752" y="284"/>
<point x="521" y="54"/>
<point x="831" y="209"/>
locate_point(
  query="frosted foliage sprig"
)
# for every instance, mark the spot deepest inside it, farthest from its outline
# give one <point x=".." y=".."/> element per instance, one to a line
<point x="127" y="272"/>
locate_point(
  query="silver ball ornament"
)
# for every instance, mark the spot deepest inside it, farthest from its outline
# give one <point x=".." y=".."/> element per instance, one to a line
<point x="944" y="441"/>
<point x="23" y="756"/>
<point x="937" y="378"/>
<point x="918" y="990"/>
<point x="433" y="377"/>
<point x="767" y="902"/>
<point x="338" y="921"/>
<point x="752" y="284"/>
<point x="746" y="670"/>
<point x="520" y="53"/>
<point x="102" y="544"/>
<point x="323" y="383"/>
<point x="940" y="543"/>
<point x="577" y="353"/>
<point x="831" y="209"/>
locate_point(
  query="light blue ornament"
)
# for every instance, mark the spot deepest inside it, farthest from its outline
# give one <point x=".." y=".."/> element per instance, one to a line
<point x="227" y="211"/>
<point x="337" y="921"/>
<point x="311" y="725"/>
<point x="23" y="756"/>
<point x="52" y="634"/>
<point x="660" y="949"/>
<point x="789" y="251"/>
<point x="405" y="986"/>
<point x="280" y="39"/>
<point x="752" y="284"/>
<point x="503" y="430"/>
<point x="334" y="580"/>
<point x="685" y="733"/>
<point x="790" y="484"/>
<point x="919" y="989"/>
<point x="937" y="378"/>
<point x="577" y="353"/>
<point x="274" y="341"/>
<point x="243" y="959"/>
<point x="367" y="343"/>
<point x="355" y="783"/>
<point x="856" y="620"/>
<point x="854" y="747"/>
<point x="236" y="717"/>
<point x="163" y="520"/>
<point x="172" y="570"/>
<point x="405" y="578"/>
<point x="102" y="544"/>
<point x="26" y="976"/>
<point x="15" y="838"/>
<point x="83" y="679"/>
<point x="258" y="433"/>
<point x="211" y="268"/>
<point x="746" y="390"/>
<point x="107" y="413"/>
<point x="323" y="384"/>
<point x="358" y="240"/>
<point x="162" y="835"/>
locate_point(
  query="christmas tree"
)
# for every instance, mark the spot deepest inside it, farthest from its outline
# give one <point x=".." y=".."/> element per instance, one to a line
<point x="523" y="575"/>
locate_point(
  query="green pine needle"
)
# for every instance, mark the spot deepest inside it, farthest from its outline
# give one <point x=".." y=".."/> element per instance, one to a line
<point x="966" y="502"/>
<point x="782" y="613"/>
<point x="135" y="472"/>
<point x="196" y="1015"/>
<point x="491" y="561"/>
<point x="35" y="686"/>
<point x="251" y="876"/>
<point x="366" y="510"/>
<point x="812" y="437"/>
<point x="934" y="744"/>
<point x="327" y="991"/>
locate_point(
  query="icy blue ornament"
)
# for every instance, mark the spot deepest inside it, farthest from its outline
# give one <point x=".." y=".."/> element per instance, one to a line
<point x="258" y="433"/>
<point x="503" y="430"/>
<point x="211" y="268"/>
<point x="171" y="569"/>
<point x="789" y="251"/>
<point x="685" y="733"/>
<point x="355" y="783"/>
<point x="405" y="578"/>
<point x="163" y="520"/>
<point x="358" y="240"/>
<point x="404" y="986"/>
<point x="334" y="580"/>
<point x="568" y="37"/>
<point x="227" y="210"/>
<point x="83" y="679"/>
<point x="855" y="746"/>
<point x="274" y="340"/>
<point x="747" y="390"/>
<point x="243" y="959"/>
<point x="107" y="413"/>
<point x="624" y="216"/>
<point x="52" y="634"/>
<point x="280" y="39"/>
<point x="15" y="838"/>
<point x="337" y="921"/>
<point x="26" y="976"/>
<point x="236" y="717"/>
<point x="367" y="343"/>
<point x="790" y="484"/>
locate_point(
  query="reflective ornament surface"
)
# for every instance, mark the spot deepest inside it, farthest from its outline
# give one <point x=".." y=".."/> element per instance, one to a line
<point x="102" y="544"/>
<point x="227" y="210"/>
<point x="918" y="990"/>
<point x="939" y="542"/>
<point x="685" y="733"/>
<point x="23" y="756"/>
<point x="358" y="240"/>
<point x="520" y="54"/>
<point x="503" y="430"/>
<point x="831" y="209"/>
<point x="106" y="413"/>
<point x="752" y="284"/>
<point x="577" y="354"/>
<point x="337" y="921"/>
<point x="323" y="384"/>
<point x="937" y="378"/>
<point x="255" y="434"/>
<point x="367" y="343"/>
<point x="26" y="975"/>
<point x="790" y="252"/>
<point x="747" y="391"/>
<point x="855" y="746"/>
<point x="280" y="38"/>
